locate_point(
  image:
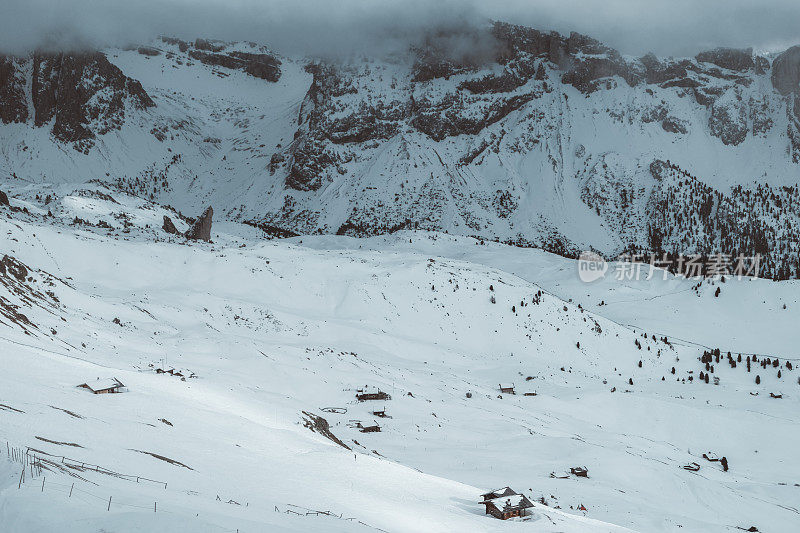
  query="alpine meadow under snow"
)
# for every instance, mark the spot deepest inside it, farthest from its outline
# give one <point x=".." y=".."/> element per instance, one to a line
<point x="380" y="317"/>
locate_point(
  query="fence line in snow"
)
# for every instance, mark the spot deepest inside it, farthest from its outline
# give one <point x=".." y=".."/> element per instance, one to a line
<point x="74" y="492"/>
<point x="303" y="511"/>
<point x="39" y="456"/>
<point x="33" y="463"/>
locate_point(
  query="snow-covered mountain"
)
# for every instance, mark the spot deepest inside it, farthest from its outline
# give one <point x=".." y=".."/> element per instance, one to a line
<point x="242" y="360"/>
<point x="502" y="132"/>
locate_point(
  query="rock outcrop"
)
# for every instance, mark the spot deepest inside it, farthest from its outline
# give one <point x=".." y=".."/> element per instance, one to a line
<point x="674" y="125"/>
<point x="728" y="119"/>
<point x="201" y="229"/>
<point x="182" y="45"/>
<point x="762" y="65"/>
<point x="264" y="66"/>
<point x="9" y="266"/>
<point x="4" y="198"/>
<point x="731" y="58"/>
<point x="786" y="71"/>
<point x="81" y="94"/>
<point x="84" y="94"/>
<point x="148" y="51"/>
<point x="13" y="104"/>
<point x="169" y="226"/>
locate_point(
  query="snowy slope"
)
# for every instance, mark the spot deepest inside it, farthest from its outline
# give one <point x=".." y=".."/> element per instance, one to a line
<point x="268" y="333"/>
<point x="664" y="304"/>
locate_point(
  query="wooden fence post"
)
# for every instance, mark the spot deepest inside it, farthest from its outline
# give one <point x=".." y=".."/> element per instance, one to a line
<point x="70" y="490"/>
<point x="43" y="483"/>
<point x="109" y="504"/>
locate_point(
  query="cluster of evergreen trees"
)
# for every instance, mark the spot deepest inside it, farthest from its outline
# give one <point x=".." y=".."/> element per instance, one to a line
<point x="689" y="217"/>
<point x="711" y="357"/>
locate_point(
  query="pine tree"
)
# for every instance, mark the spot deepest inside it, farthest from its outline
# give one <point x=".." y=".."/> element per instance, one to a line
<point x="758" y="380"/>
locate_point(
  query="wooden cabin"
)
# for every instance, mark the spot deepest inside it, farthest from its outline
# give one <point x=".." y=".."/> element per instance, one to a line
<point x="366" y="396"/>
<point x="507" y="388"/>
<point x="103" y="386"/>
<point x="580" y="471"/>
<point x="506" y="507"/>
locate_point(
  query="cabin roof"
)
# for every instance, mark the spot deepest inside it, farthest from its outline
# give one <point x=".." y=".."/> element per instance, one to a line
<point x="512" y="502"/>
<point x="506" y="385"/>
<point x="103" y="384"/>
<point x="505" y="491"/>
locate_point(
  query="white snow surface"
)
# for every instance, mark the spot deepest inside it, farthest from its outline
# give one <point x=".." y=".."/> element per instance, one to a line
<point x="263" y="331"/>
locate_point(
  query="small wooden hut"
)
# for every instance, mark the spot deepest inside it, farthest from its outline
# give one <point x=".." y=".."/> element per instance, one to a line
<point x="507" y="388"/>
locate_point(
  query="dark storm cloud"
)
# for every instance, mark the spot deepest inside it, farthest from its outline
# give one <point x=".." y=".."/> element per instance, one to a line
<point x="304" y="26"/>
<point x="667" y="27"/>
<point x="676" y="27"/>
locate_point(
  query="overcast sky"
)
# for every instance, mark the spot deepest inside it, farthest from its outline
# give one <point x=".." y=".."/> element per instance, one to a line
<point x="667" y="27"/>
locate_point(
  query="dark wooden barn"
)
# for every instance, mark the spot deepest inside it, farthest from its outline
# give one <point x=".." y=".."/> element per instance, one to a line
<point x="506" y="507"/>
<point x="366" y="396"/>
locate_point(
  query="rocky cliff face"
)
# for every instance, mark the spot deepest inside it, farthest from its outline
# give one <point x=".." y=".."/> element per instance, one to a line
<point x="514" y="121"/>
<point x="348" y="105"/>
<point x="201" y="229"/>
<point x="729" y="58"/>
<point x="79" y="95"/>
<point x="13" y="107"/>
<point x="786" y="71"/>
<point x="83" y="95"/>
<point x="209" y="52"/>
<point x="520" y="135"/>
